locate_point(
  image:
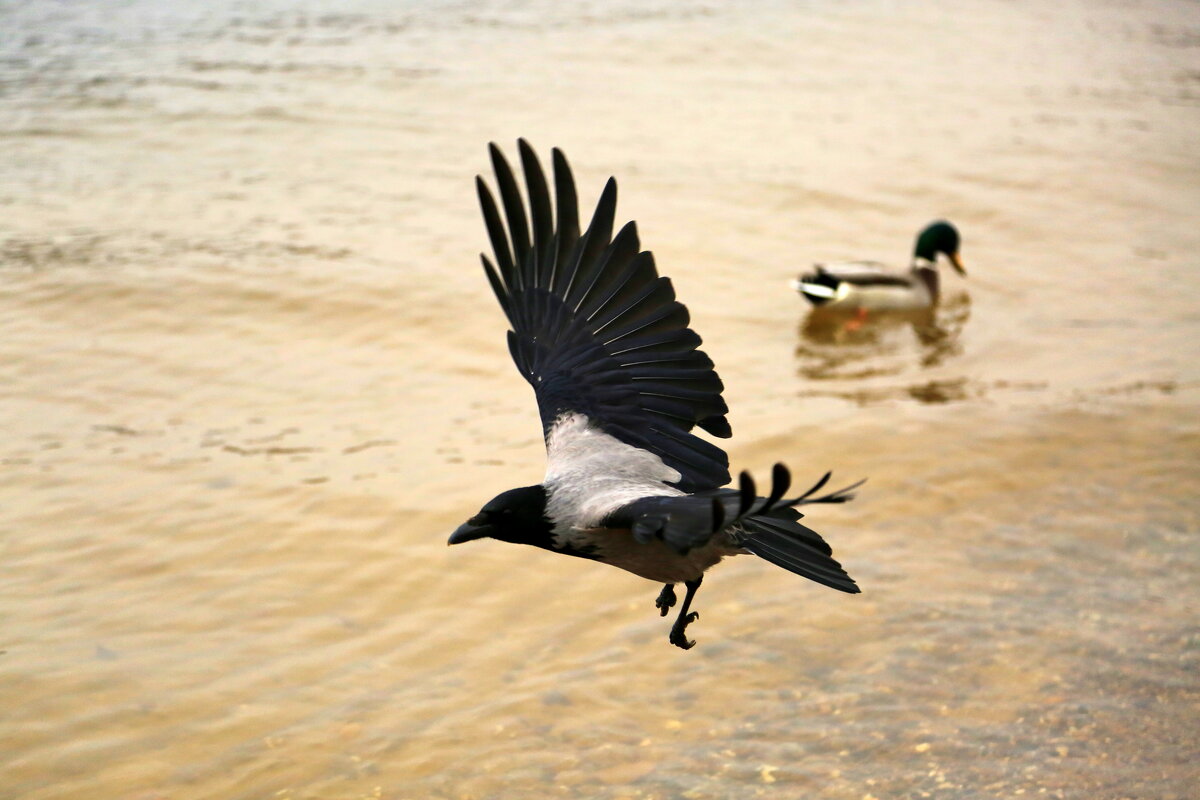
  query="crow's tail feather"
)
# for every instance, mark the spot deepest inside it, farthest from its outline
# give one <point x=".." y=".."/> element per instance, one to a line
<point x="788" y="544"/>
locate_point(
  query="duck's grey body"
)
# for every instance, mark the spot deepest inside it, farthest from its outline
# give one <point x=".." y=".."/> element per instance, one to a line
<point x="852" y="285"/>
<point x="870" y="286"/>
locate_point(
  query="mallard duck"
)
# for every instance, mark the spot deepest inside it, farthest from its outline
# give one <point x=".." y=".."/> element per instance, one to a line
<point x="867" y="286"/>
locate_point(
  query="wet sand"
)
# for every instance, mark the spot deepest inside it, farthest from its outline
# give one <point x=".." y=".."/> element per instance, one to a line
<point x="251" y="377"/>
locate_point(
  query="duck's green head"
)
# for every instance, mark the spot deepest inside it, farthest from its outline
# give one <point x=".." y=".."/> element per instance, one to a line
<point x="939" y="237"/>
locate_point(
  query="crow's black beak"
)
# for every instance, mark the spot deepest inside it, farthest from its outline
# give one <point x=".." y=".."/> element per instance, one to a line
<point x="474" y="528"/>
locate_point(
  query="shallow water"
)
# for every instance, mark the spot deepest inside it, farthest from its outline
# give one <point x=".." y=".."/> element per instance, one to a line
<point x="251" y="377"/>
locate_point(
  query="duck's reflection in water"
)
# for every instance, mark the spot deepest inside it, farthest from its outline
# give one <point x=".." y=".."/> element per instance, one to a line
<point x="845" y="345"/>
<point x="940" y="331"/>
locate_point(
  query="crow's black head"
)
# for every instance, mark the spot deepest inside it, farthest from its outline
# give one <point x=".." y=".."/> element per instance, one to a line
<point x="518" y="516"/>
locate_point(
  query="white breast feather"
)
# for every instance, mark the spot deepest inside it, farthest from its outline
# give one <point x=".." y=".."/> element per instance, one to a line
<point x="590" y="473"/>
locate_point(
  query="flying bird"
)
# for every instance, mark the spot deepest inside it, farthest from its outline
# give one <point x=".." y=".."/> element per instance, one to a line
<point x="620" y="386"/>
<point x="867" y="286"/>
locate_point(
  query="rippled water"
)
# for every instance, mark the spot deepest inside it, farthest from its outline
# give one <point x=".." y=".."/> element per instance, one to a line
<point x="251" y="377"/>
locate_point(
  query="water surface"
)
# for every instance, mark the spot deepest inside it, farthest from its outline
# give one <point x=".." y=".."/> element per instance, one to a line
<point x="251" y="377"/>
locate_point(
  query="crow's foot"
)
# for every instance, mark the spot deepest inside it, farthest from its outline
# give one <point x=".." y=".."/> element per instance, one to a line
<point x="666" y="599"/>
<point x="677" y="631"/>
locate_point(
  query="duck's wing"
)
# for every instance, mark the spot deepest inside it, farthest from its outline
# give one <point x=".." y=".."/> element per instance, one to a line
<point x="599" y="335"/>
<point x="863" y="273"/>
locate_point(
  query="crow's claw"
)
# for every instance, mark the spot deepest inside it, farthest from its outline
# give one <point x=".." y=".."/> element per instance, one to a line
<point x="666" y="599"/>
<point x="677" y="631"/>
<point x="679" y="640"/>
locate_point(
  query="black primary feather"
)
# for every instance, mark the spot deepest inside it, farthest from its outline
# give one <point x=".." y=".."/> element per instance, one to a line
<point x="595" y="329"/>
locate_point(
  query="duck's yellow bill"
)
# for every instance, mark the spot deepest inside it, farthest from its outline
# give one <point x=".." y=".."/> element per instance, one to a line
<point x="956" y="260"/>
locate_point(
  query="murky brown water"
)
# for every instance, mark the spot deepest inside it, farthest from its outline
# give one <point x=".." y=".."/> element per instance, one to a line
<point x="251" y="376"/>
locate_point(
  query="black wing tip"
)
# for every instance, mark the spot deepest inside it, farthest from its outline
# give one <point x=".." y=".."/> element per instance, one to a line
<point x="748" y="492"/>
<point x="717" y="426"/>
<point x="527" y="151"/>
<point x="627" y="237"/>
<point x="843" y="495"/>
<point x="528" y="154"/>
<point x="484" y="193"/>
<point x="563" y="176"/>
<point x="718" y="514"/>
<point x="500" y="164"/>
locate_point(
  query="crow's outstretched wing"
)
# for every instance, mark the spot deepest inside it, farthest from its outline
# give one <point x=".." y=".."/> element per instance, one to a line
<point x="595" y="330"/>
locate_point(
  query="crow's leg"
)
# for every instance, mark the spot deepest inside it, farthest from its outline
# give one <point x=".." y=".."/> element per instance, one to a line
<point x="666" y="599"/>
<point x="684" y="619"/>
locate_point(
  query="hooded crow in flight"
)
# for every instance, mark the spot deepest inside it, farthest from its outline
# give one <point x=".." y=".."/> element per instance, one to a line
<point x="620" y="385"/>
